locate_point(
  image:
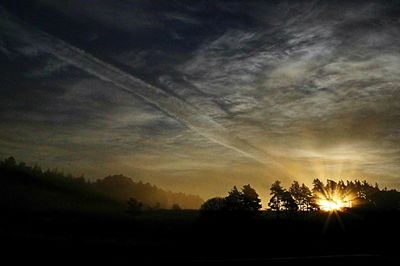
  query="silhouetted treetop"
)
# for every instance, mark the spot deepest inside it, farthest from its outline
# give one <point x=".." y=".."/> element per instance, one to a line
<point x="214" y="204"/>
<point x="246" y="200"/>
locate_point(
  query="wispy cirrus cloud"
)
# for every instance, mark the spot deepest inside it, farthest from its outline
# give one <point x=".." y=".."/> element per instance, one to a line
<point x="172" y="106"/>
<point x="316" y="84"/>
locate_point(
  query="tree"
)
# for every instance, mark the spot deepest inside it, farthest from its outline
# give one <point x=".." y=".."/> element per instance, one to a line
<point x="302" y="196"/>
<point x="275" y="203"/>
<point x="134" y="206"/>
<point x="288" y="202"/>
<point x="308" y="201"/>
<point x="297" y="194"/>
<point x="214" y="204"/>
<point x="245" y="200"/>
<point x="250" y="199"/>
<point x="331" y="189"/>
<point x="234" y="200"/>
<point x="318" y="188"/>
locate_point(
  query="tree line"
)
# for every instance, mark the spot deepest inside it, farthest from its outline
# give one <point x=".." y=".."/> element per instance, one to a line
<point x="17" y="177"/>
<point x="138" y="196"/>
<point x="300" y="198"/>
<point x="146" y="195"/>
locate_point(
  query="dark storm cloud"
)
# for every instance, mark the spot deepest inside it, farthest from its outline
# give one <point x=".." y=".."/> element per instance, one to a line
<point x="314" y="83"/>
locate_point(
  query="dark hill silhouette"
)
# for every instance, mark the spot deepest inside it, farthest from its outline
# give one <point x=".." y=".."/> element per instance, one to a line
<point x="31" y="188"/>
<point x="122" y="188"/>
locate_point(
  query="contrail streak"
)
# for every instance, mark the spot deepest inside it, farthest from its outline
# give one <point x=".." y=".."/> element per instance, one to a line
<point x="180" y="110"/>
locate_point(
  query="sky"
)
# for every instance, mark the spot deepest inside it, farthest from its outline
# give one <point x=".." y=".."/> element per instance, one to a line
<point x="200" y="96"/>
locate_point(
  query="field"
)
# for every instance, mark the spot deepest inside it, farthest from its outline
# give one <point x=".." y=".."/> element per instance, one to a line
<point x="190" y="238"/>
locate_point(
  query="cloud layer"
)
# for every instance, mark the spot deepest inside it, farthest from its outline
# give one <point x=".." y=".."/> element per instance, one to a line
<point x="310" y="86"/>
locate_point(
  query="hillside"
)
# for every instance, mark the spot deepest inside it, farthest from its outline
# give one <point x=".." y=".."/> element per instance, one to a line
<point x="31" y="188"/>
<point x="122" y="188"/>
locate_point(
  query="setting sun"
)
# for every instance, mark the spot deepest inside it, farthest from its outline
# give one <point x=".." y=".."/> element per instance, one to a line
<point x="332" y="205"/>
<point x="335" y="200"/>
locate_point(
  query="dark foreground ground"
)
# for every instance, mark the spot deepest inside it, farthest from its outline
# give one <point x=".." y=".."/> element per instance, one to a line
<point x="187" y="238"/>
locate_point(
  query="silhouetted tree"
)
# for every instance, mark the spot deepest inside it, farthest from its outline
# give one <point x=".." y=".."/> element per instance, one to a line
<point x="250" y="199"/>
<point x="297" y="194"/>
<point x="276" y="201"/>
<point x="134" y="207"/>
<point x="308" y="201"/>
<point x="214" y="204"/>
<point x="302" y="196"/>
<point x="234" y="200"/>
<point x="238" y="201"/>
<point x="288" y="202"/>
<point x="331" y="186"/>
<point x="318" y="187"/>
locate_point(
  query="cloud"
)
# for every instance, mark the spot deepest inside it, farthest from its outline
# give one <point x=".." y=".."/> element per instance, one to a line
<point x="315" y="84"/>
<point x="318" y="77"/>
<point x="50" y="67"/>
<point x="169" y="104"/>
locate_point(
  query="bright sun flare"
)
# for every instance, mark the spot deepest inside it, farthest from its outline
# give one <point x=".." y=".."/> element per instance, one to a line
<point x="335" y="198"/>
<point x="337" y="202"/>
<point x="332" y="205"/>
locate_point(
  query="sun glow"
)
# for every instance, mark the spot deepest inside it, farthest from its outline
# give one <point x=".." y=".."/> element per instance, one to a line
<point x="334" y="200"/>
<point x="333" y="204"/>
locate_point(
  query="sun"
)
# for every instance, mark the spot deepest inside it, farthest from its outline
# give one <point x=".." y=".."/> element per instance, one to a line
<point x="335" y="200"/>
<point x="332" y="204"/>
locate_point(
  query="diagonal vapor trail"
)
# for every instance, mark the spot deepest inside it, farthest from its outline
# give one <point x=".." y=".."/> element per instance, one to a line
<point x="180" y="110"/>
